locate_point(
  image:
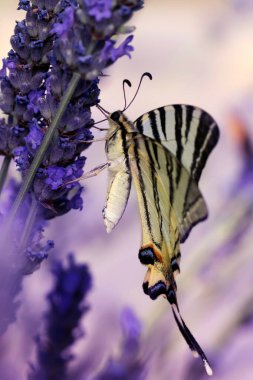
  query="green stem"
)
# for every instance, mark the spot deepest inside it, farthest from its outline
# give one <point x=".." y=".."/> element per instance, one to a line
<point x="4" y="171"/>
<point x="43" y="148"/>
<point x="28" y="225"/>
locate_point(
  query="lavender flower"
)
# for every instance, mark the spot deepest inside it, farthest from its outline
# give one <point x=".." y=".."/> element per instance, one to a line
<point x="128" y="365"/>
<point x="55" y="40"/>
<point x="49" y="82"/>
<point x="66" y="300"/>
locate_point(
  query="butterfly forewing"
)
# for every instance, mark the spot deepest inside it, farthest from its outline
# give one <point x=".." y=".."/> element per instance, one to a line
<point x="186" y="131"/>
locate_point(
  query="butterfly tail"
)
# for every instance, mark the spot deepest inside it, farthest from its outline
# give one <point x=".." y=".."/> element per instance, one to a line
<point x="189" y="338"/>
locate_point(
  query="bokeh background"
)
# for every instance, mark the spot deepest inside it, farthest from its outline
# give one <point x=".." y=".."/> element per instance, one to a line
<point x="200" y="53"/>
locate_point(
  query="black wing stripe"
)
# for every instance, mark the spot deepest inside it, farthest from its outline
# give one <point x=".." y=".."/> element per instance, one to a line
<point x="154" y="126"/>
<point x="169" y="166"/>
<point x="162" y="115"/>
<point x="155" y="132"/>
<point x="189" y="115"/>
<point x="139" y="124"/>
<point x="178" y="132"/>
<point x="154" y="183"/>
<point x="205" y="140"/>
<point x="142" y="188"/>
<point x="211" y="141"/>
<point x="125" y="147"/>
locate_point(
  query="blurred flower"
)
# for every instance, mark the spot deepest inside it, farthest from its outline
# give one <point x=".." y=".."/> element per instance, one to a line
<point x="128" y="365"/>
<point x="22" y="254"/>
<point x="242" y="5"/>
<point x="66" y="308"/>
<point x="242" y="137"/>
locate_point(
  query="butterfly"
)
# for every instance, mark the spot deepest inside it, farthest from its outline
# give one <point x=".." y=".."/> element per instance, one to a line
<point x="163" y="153"/>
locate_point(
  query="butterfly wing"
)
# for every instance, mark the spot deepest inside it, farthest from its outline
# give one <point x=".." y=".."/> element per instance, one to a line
<point x="186" y="131"/>
<point x="164" y="201"/>
<point x="167" y="206"/>
<point x="190" y="134"/>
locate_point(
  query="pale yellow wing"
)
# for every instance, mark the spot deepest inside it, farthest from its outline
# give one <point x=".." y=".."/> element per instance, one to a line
<point x="188" y="132"/>
<point x="168" y="196"/>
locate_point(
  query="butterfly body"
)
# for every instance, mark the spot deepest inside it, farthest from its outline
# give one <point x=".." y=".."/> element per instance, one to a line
<point x="163" y="152"/>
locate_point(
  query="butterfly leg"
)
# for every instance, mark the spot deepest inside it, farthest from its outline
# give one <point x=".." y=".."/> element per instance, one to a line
<point x="94" y="172"/>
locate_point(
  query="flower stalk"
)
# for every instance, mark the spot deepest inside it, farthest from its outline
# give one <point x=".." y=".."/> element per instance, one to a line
<point x="4" y="171"/>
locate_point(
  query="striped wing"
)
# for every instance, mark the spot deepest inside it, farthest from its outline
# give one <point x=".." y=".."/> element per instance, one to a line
<point x="169" y="200"/>
<point x="186" y="131"/>
<point x="164" y="198"/>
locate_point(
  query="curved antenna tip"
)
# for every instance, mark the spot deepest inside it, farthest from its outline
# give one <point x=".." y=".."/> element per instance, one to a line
<point x="147" y="74"/>
<point x="127" y="82"/>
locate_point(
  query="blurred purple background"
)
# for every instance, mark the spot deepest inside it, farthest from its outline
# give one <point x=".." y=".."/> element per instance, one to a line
<point x="199" y="53"/>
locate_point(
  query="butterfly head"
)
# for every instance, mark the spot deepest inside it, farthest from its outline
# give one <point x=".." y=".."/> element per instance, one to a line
<point x="116" y="116"/>
<point x="119" y="121"/>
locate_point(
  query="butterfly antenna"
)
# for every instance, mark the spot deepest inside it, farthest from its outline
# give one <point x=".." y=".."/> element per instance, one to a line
<point x="125" y="81"/>
<point x="189" y="338"/>
<point x="146" y="74"/>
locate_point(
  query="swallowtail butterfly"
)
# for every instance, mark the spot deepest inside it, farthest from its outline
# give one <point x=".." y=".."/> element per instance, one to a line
<point x="163" y="152"/>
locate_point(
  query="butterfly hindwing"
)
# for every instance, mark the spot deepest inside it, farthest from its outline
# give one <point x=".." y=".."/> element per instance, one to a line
<point x="179" y="192"/>
<point x="168" y="207"/>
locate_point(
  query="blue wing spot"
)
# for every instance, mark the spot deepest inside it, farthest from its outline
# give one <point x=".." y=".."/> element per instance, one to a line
<point x="156" y="290"/>
<point x="147" y="256"/>
<point x="145" y="287"/>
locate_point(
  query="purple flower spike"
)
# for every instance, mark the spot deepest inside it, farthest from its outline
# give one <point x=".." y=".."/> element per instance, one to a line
<point x="48" y="46"/>
<point x="66" y="307"/>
